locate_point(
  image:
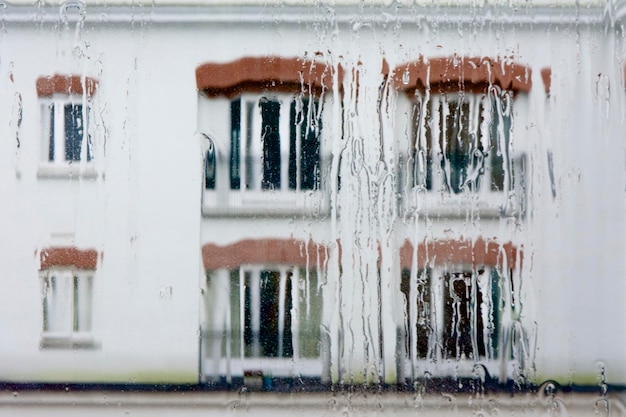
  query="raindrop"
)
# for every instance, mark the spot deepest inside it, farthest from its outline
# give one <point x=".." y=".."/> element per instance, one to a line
<point x="332" y="404"/>
<point x="406" y="77"/>
<point x="604" y="388"/>
<point x="72" y="9"/>
<point x="549" y="389"/>
<point x="551" y="173"/>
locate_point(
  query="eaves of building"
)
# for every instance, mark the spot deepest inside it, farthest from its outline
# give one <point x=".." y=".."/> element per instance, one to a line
<point x="475" y="12"/>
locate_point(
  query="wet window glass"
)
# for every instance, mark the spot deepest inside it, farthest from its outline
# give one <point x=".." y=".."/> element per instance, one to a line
<point x="406" y="206"/>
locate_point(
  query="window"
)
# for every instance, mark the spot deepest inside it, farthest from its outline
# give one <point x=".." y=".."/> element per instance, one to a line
<point x="65" y="132"/>
<point x="461" y="143"/>
<point x="269" y="325"/>
<point x="66" y="143"/>
<point x="452" y="312"/>
<point x="264" y="115"/>
<point x="275" y="143"/>
<point x="462" y="150"/>
<point x="67" y="307"/>
<point x="66" y="276"/>
<point x="267" y="313"/>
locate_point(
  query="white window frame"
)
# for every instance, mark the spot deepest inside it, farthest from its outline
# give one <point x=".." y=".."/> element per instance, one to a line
<point x="437" y="362"/>
<point x="284" y="366"/>
<point x="255" y="306"/>
<point x="251" y="147"/>
<point x="440" y="198"/>
<point x="59" y="167"/>
<point x="67" y="308"/>
<point x="254" y="200"/>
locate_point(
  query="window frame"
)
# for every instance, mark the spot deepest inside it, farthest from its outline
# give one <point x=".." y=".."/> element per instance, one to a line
<point x="250" y="148"/>
<point x="429" y="288"/>
<point x="239" y="356"/>
<point x="71" y="333"/>
<point x="54" y="135"/>
<point x="246" y="191"/>
<point x="427" y="182"/>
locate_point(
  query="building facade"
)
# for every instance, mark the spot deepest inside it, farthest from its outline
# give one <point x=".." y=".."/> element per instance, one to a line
<point x="227" y="195"/>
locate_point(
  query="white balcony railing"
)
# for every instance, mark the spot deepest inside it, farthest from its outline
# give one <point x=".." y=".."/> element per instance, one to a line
<point x="253" y="200"/>
<point x="483" y="202"/>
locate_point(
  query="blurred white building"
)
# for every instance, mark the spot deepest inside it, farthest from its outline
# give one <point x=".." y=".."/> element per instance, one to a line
<point x="293" y="194"/>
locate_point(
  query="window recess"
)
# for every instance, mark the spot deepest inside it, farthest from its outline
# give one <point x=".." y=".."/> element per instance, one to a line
<point x="275" y="143"/>
<point x="453" y="316"/>
<point x="67" y="148"/>
<point x="67" y="308"/>
<point x="274" y="164"/>
<point x="262" y="320"/>
<point x="461" y="154"/>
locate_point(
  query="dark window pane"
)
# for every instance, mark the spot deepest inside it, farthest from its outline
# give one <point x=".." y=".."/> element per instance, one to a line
<point x="423" y="158"/>
<point x="209" y="169"/>
<point x="235" y="143"/>
<point x="309" y="148"/>
<point x="479" y="325"/>
<point x="74" y="128"/>
<point x="251" y="159"/>
<point x="272" y="338"/>
<point x="456" y="144"/>
<point x="293" y="132"/>
<point x="274" y="342"/>
<point x="494" y="313"/>
<point x="463" y="152"/>
<point x="419" y="302"/>
<point x="250" y="335"/>
<point x="463" y="319"/>
<point x="51" y="138"/>
<point x="75" y="301"/>
<point x="500" y="161"/>
<point x="270" y="137"/>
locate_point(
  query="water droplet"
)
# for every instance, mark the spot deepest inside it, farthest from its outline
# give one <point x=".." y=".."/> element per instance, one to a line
<point x="549" y="389"/>
<point x="406" y="77"/>
<point x="332" y="403"/>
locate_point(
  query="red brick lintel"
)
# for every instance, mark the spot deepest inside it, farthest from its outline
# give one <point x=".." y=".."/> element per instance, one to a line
<point x="267" y="73"/>
<point x="476" y="253"/>
<point x="68" y="257"/>
<point x="66" y="84"/>
<point x="263" y="252"/>
<point x="456" y="73"/>
<point x="546" y="77"/>
<point x="300" y="75"/>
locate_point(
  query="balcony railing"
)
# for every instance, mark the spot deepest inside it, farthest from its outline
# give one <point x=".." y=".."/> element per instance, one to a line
<point x="251" y="199"/>
<point x="483" y="202"/>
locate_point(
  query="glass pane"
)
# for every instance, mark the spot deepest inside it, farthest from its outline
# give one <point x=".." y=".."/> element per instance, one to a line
<point x="73" y="131"/>
<point x="50" y="125"/>
<point x="310" y="146"/>
<point x="235" y="145"/>
<point x="59" y="304"/>
<point x="82" y="303"/>
<point x="270" y="138"/>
